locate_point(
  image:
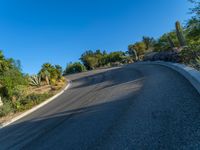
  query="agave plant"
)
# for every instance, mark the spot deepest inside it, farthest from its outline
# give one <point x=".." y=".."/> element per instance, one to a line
<point x="35" y="80"/>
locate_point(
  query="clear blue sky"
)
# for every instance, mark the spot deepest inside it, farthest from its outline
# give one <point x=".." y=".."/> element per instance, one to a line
<point x="59" y="31"/>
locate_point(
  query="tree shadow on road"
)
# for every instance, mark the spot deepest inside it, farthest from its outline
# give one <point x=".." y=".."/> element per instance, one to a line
<point x="71" y="129"/>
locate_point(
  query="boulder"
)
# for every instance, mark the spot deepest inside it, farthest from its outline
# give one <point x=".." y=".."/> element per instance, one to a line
<point x="171" y="56"/>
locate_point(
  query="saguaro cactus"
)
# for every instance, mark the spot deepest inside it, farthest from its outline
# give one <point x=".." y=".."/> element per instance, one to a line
<point x="180" y="36"/>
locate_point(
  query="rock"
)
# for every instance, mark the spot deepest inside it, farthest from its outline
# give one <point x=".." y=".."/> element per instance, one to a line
<point x="171" y="56"/>
<point x="149" y="56"/>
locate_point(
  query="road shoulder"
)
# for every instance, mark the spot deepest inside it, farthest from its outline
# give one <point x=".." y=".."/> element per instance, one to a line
<point x="191" y="74"/>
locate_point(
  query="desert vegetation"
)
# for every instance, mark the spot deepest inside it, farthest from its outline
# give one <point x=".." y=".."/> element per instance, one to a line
<point x="91" y="60"/>
<point x="181" y="45"/>
<point x="19" y="91"/>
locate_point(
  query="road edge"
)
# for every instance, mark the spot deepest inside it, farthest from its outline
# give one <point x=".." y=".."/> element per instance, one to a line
<point x="191" y="74"/>
<point x="36" y="107"/>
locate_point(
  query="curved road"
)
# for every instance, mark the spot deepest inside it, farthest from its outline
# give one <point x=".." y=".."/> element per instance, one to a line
<point x="134" y="107"/>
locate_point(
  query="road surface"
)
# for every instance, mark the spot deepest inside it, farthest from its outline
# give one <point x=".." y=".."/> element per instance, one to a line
<point x="134" y="107"/>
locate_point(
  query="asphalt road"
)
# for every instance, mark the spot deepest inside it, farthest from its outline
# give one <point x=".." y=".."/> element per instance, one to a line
<point x="133" y="107"/>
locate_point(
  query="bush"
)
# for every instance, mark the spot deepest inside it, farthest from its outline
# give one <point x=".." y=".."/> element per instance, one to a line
<point x="50" y="72"/>
<point x="190" y="54"/>
<point x="6" y="109"/>
<point x="74" y="68"/>
<point x="30" y="101"/>
<point x="13" y="83"/>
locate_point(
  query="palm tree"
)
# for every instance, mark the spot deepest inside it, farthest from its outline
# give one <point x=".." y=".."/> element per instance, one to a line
<point x="45" y="75"/>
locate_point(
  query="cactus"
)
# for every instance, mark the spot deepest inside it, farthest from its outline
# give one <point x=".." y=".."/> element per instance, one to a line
<point x="35" y="80"/>
<point x="171" y="43"/>
<point x="179" y="33"/>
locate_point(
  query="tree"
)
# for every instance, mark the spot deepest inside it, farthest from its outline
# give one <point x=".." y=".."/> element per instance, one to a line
<point x="136" y="50"/>
<point x="12" y="82"/>
<point x="45" y="75"/>
<point x="148" y="41"/>
<point x="49" y="72"/>
<point x="132" y="52"/>
<point x="164" y="43"/>
<point x="5" y="64"/>
<point x="196" y="9"/>
<point x="116" y="56"/>
<point x="11" y="78"/>
<point x="74" y="68"/>
<point x="193" y="31"/>
<point x="92" y="60"/>
<point x="59" y="71"/>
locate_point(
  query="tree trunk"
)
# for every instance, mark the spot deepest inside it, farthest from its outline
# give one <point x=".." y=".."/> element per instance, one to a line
<point x="47" y="80"/>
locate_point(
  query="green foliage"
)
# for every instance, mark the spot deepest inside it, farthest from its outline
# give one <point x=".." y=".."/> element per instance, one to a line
<point x="171" y="43"/>
<point x="13" y="83"/>
<point x="136" y="50"/>
<point x="6" y="109"/>
<point x="35" y="80"/>
<point x="5" y="64"/>
<point x="190" y="53"/>
<point x="96" y="59"/>
<point x="50" y="72"/>
<point x="92" y="60"/>
<point x="132" y="52"/>
<point x="30" y="101"/>
<point x="163" y="43"/>
<point x="197" y="63"/>
<point x="149" y="42"/>
<point x="193" y="31"/>
<point x="59" y="71"/>
<point x="74" y="68"/>
<point x="115" y="57"/>
<point x="196" y="9"/>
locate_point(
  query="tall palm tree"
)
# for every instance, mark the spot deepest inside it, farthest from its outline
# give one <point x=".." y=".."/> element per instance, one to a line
<point x="45" y="75"/>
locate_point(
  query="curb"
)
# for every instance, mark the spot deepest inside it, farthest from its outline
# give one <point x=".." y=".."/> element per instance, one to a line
<point x="191" y="74"/>
<point x="36" y="107"/>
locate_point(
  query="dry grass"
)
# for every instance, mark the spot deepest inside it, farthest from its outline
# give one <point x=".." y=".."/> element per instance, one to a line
<point x="37" y="90"/>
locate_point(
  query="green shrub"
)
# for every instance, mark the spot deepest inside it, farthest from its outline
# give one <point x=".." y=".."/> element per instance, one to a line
<point x="74" y="68"/>
<point x="30" y="101"/>
<point x="190" y="53"/>
<point x="49" y="72"/>
<point x="13" y="83"/>
<point x="6" y="109"/>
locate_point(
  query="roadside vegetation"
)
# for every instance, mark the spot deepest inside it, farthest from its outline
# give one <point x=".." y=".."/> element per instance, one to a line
<point x="91" y="60"/>
<point x="181" y="45"/>
<point x="20" y="92"/>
